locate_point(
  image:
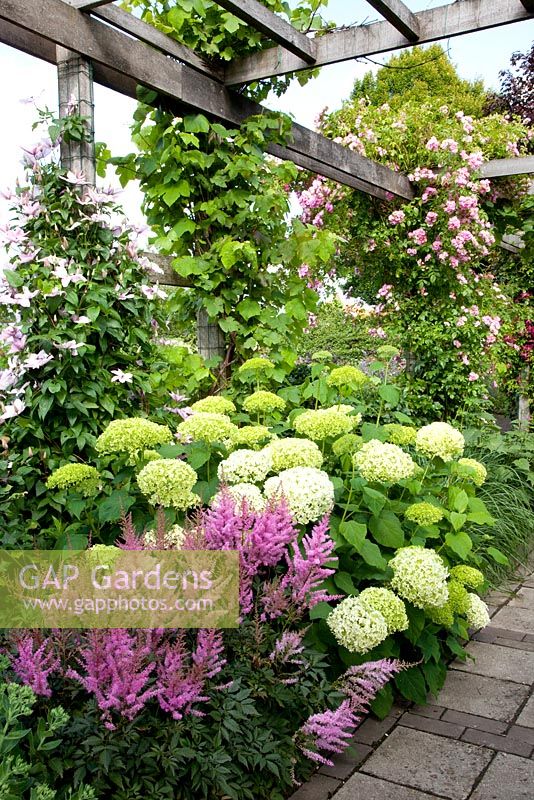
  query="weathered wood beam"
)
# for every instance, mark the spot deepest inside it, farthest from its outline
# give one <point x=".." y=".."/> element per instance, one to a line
<point x="147" y="33"/>
<point x="121" y="62"/>
<point x="273" y="26"/>
<point x="88" y="5"/>
<point x="169" y="277"/>
<point x="442" y="22"/>
<point x="399" y="15"/>
<point x="529" y="5"/>
<point x="75" y="84"/>
<point x="501" y="167"/>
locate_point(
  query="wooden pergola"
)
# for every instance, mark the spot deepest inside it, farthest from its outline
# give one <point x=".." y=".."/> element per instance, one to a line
<point x="122" y="51"/>
<point x="96" y="40"/>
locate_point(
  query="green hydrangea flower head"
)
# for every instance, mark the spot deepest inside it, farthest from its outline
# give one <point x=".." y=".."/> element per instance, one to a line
<point x="347" y="444"/>
<point x="347" y="377"/>
<point x="386" y="352"/>
<point x="256" y="364"/>
<point x="323" y="423"/>
<point x="131" y="435"/>
<point x="103" y="554"/>
<point x="214" y="405"/>
<point x="168" y="483"/>
<point x="356" y="627"/>
<point x="443" y="615"/>
<point x="75" y="477"/>
<point x="308" y="492"/>
<point x="253" y="437"/>
<point x="173" y="539"/>
<point x="263" y="402"/>
<point x="468" y="576"/>
<point x="477" y="614"/>
<point x="400" y="434"/>
<point x="204" y="426"/>
<point x="292" y="452"/>
<point x="471" y="469"/>
<point x="420" y="576"/>
<point x="424" y="514"/>
<point x="458" y="596"/>
<point x="243" y="494"/>
<point x="245" y="466"/>
<point x="151" y="455"/>
<point x="439" y="439"/>
<point x="388" y="604"/>
<point x="322" y="355"/>
<point x="381" y="462"/>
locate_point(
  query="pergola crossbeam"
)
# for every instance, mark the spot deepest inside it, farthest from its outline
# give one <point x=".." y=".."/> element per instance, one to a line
<point x="274" y="27"/>
<point x="501" y="167"/>
<point x="399" y="15"/>
<point x="442" y="22"/>
<point x="88" y="5"/>
<point x="121" y="63"/>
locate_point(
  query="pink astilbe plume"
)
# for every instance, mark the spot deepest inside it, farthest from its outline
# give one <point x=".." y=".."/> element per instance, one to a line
<point x="116" y="671"/>
<point x="129" y="539"/>
<point x="33" y="663"/>
<point x="273" y="530"/>
<point x="330" y="730"/>
<point x="300" y="586"/>
<point x="182" y="678"/>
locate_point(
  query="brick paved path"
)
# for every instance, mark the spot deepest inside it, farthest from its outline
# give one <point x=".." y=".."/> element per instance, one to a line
<point x="474" y="742"/>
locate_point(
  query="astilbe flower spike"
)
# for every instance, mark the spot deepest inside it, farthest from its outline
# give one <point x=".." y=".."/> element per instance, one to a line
<point x="116" y="672"/>
<point x="331" y="730"/>
<point x="33" y="663"/>
<point x="182" y="680"/>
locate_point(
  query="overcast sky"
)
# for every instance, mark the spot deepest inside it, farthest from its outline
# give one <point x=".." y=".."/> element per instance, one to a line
<point x="477" y="55"/>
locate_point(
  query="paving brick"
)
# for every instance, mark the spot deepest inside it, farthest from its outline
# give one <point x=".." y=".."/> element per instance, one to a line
<point x="433" y="712"/>
<point x="523" y="599"/>
<point x="522" y="645"/>
<point x="485" y="697"/>
<point x="524" y="734"/>
<point x="423" y="761"/>
<point x="365" y="786"/>
<point x="515" y="619"/>
<point x="508" y="778"/>
<point x="505" y="744"/>
<point x="472" y="721"/>
<point x="490" y="633"/>
<point x="498" y="598"/>
<point x="498" y="662"/>
<point x="348" y="762"/>
<point x="436" y="726"/>
<point x="319" y="787"/>
<point x="526" y="717"/>
<point x="529" y="637"/>
<point x="373" y="730"/>
<point x="529" y="583"/>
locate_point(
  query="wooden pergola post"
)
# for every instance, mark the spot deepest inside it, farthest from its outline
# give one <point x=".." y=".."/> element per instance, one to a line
<point x="75" y="86"/>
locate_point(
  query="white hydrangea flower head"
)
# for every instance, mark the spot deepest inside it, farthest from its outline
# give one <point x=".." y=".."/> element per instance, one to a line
<point x="356" y="627"/>
<point x="263" y="402"/>
<point x="245" y="466"/>
<point x="439" y="439"/>
<point x="420" y="576"/>
<point x="308" y="491"/>
<point x="168" y="482"/>
<point x="381" y="462"/>
<point x="293" y="452"/>
<point x="172" y="540"/>
<point x="324" y="423"/>
<point x="243" y="492"/>
<point x="377" y="598"/>
<point x="477" y="614"/>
